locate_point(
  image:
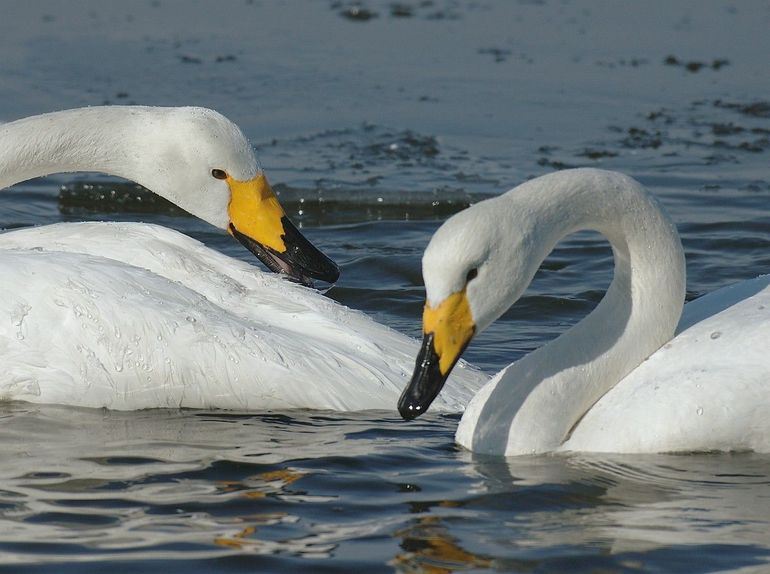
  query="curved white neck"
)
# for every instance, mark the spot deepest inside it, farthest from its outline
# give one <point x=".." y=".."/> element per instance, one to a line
<point x="532" y="405"/>
<point x="70" y="141"/>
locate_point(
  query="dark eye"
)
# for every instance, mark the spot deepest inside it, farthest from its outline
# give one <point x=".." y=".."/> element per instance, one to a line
<point x="472" y="274"/>
<point x="219" y="173"/>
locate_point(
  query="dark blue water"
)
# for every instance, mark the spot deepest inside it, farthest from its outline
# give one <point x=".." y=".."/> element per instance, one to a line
<point x="376" y="120"/>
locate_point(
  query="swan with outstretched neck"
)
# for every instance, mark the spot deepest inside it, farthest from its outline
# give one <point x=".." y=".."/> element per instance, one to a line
<point x="616" y="381"/>
<point x="131" y="315"/>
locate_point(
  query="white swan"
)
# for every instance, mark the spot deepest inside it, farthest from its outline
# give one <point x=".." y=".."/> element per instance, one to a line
<point x="193" y="157"/>
<point x="605" y="384"/>
<point x="131" y="316"/>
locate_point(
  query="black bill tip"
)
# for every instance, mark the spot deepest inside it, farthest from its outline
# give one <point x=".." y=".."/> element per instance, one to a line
<point x="304" y="255"/>
<point x="427" y="382"/>
<point x="301" y="262"/>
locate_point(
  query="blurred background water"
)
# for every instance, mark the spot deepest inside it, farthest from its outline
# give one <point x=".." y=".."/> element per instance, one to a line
<point x="376" y="120"/>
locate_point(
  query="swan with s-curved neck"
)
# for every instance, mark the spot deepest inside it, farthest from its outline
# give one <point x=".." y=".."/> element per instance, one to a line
<point x="616" y="381"/>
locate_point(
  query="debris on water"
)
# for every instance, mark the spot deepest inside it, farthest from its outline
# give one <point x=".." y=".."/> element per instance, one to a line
<point x="641" y="138"/>
<point x="358" y="11"/>
<point x="631" y="62"/>
<point x="354" y="11"/>
<point x="757" y="185"/>
<point x="694" y="66"/>
<point x="760" y="109"/>
<point x="188" y="59"/>
<point x="720" y="129"/>
<point x="700" y="125"/>
<point x="408" y="146"/>
<point x="595" y="154"/>
<point x="554" y="163"/>
<point x="401" y="10"/>
<point x="499" y="54"/>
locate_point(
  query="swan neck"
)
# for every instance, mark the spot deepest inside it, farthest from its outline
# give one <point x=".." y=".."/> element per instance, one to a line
<point x="539" y="399"/>
<point x="70" y="141"/>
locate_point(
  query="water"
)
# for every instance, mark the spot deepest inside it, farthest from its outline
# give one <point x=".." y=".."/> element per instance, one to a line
<point x="375" y="121"/>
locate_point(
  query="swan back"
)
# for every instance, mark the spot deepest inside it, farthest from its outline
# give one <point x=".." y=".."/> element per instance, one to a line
<point x="153" y="318"/>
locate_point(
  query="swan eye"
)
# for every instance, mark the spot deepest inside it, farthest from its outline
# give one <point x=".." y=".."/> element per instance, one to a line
<point x="218" y="173"/>
<point x="472" y="274"/>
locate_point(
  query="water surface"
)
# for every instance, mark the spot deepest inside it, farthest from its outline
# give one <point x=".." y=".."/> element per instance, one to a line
<point x="376" y="121"/>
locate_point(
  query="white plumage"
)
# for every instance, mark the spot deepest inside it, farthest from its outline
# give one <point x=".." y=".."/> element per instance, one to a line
<point x="129" y="315"/>
<point x="617" y="381"/>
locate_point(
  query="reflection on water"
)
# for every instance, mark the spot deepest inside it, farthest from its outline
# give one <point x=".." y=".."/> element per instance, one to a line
<point x="307" y="490"/>
<point x="646" y="512"/>
<point x="428" y="547"/>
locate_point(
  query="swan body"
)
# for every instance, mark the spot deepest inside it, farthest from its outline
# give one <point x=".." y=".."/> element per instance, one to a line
<point x="173" y="323"/>
<point x="130" y="316"/>
<point x="708" y="389"/>
<point x="629" y="377"/>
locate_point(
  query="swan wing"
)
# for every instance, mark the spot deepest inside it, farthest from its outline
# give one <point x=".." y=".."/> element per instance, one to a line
<point x="708" y="389"/>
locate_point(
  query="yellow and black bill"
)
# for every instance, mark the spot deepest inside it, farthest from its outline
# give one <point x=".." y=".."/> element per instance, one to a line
<point x="447" y="330"/>
<point x="258" y="221"/>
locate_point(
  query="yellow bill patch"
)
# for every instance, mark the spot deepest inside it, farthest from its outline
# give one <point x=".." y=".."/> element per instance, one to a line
<point x="452" y="326"/>
<point x="255" y="212"/>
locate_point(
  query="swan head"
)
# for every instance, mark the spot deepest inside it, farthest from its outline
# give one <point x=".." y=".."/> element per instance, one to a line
<point x="475" y="266"/>
<point x="202" y="162"/>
